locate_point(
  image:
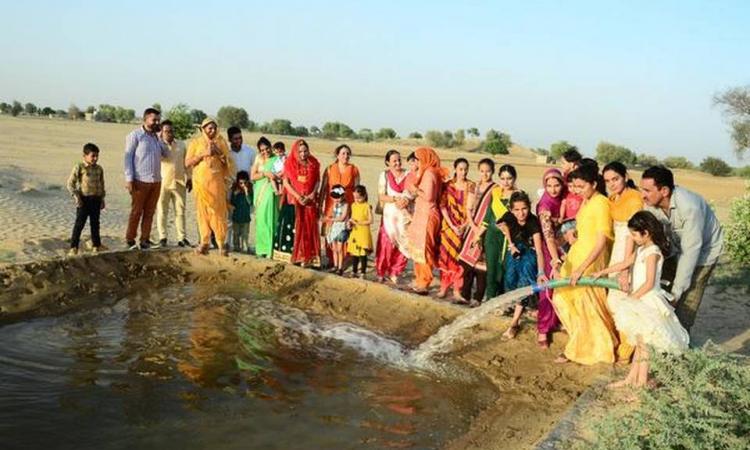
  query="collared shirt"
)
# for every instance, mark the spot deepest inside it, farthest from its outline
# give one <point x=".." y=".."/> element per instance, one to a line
<point x="86" y="180"/>
<point x="243" y="158"/>
<point x="143" y="153"/>
<point x="173" y="170"/>
<point x="696" y="235"/>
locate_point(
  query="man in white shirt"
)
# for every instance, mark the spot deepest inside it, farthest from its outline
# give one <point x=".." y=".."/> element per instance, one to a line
<point x="175" y="183"/>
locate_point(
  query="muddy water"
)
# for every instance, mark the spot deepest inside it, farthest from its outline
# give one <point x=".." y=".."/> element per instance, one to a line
<point x="190" y="367"/>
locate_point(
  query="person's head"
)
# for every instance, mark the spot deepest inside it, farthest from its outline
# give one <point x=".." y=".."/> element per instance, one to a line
<point x="486" y="169"/>
<point x="343" y="153"/>
<point x="279" y="149"/>
<point x="520" y="205"/>
<point x="337" y="193"/>
<point x="461" y="169"/>
<point x="645" y="228"/>
<point x="616" y="177"/>
<point x="570" y="159"/>
<point x="303" y="150"/>
<point x="151" y="119"/>
<point x="90" y="153"/>
<point x="393" y="159"/>
<point x="411" y="160"/>
<point x="585" y="180"/>
<point x="264" y="146"/>
<point x="234" y="134"/>
<point x="601" y="186"/>
<point x="657" y="185"/>
<point x="167" y="131"/>
<point x="243" y="180"/>
<point x="507" y="177"/>
<point x="360" y="193"/>
<point x="553" y="183"/>
<point x="209" y="127"/>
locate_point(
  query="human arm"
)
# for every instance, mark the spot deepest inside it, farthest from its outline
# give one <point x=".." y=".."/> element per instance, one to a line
<point x="651" y="261"/>
<point x="615" y="268"/>
<point x="547" y="223"/>
<point x="691" y="241"/>
<point x="601" y="244"/>
<point x="131" y="142"/>
<point x="74" y="185"/>
<point x="541" y="276"/>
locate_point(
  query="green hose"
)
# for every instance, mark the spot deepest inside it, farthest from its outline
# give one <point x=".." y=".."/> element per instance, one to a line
<point x="585" y="281"/>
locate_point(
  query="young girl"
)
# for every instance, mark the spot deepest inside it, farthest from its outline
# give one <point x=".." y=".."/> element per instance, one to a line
<point x="645" y="317"/>
<point x="507" y="177"/>
<point x="338" y="227"/>
<point x="524" y="264"/>
<point x="359" y="244"/>
<point x="569" y="207"/>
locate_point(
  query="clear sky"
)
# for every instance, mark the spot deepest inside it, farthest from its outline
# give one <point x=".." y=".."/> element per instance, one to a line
<point x="640" y="74"/>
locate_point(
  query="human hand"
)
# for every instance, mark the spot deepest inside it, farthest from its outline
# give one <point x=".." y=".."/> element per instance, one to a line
<point x="130" y="187"/>
<point x="624" y="281"/>
<point x="102" y="205"/>
<point x="542" y="278"/>
<point x="555" y="273"/>
<point x="575" y="276"/>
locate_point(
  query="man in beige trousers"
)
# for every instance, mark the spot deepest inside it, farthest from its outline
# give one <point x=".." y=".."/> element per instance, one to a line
<point x="175" y="183"/>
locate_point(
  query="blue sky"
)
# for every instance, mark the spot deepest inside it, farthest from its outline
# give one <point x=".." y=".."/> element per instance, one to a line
<point x="640" y="74"/>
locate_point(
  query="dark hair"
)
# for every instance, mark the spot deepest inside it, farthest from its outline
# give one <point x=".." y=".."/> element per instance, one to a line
<point x="620" y="169"/>
<point x="243" y="175"/>
<point x="508" y="168"/>
<point x="278" y="145"/>
<point x="645" y="221"/>
<point x="488" y="162"/>
<point x="90" y="148"/>
<point x="572" y="155"/>
<point x="390" y="153"/>
<point x="341" y="147"/>
<point x="590" y="174"/>
<point x="231" y="131"/>
<point x="167" y="123"/>
<point x="361" y="190"/>
<point x="337" y="195"/>
<point x="148" y="111"/>
<point x="263" y="141"/>
<point x="519" y="196"/>
<point x="662" y="177"/>
<point x="459" y="161"/>
<point x="589" y="162"/>
<point x="412" y="157"/>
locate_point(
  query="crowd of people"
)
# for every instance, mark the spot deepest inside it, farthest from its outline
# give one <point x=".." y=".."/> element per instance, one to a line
<point x="483" y="237"/>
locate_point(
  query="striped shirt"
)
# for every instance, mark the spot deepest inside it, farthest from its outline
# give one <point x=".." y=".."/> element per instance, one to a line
<point x="86" y="180"/>
<point x="143" y="153"/>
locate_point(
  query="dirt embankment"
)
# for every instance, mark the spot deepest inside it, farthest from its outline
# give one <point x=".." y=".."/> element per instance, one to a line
<point x="533" y="393"/>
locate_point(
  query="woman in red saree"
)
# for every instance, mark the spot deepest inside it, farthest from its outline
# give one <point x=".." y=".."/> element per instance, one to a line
<point x="424" y="229"/>
<point x="455" y="204"/>
<point x="301" y="179"/>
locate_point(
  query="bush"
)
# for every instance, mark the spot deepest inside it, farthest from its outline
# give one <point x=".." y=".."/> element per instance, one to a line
<point x="459" y="137"/>
<point x="281" y="127"/>
<point x="678" y="162"/>
<point x="557" y="149"/>
<point x="366" y="135"/>
<point x="607" y="152"/>
<point x="300" y="131"/>
<point x="415" y="135"/>
<point x="333" y="130"/>
<point x="16" y="108"/>
<point x="182" y="121"/>
<point x="5" y="108"/>
<point x="715" y="166"/>
<point x="473" y="132"/>
<point x="743" y="172"/>
<point x="646" y="161"/>
<point x="197" y="116"/>
<point x="386" y="133"/>
<point x="232" y="116"/>
<point x="702" y="402"/>
<point x="497" y="143"/>
<point x="737" y="236"/>
<point x="438" y="138"/>
<point x="30" y="109"/>
<point x="110" y="113"/>
<point x="74" y="113"/>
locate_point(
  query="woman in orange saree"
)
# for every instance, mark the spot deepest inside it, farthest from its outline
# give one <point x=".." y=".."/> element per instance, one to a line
<point x="301" y="179"/>
<point x="340" y="172"/>
<point x="208" y="156"/>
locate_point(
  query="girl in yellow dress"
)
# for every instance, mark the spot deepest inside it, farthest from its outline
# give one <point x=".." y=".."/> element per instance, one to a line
<point x="359" y="244"/>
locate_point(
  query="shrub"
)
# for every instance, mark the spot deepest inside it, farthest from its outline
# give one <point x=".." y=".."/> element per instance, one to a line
<point x="607" y="152"/>
<point x="197" y="116"/>
<point x="497" y="143"/>
<point x="74" y="113"/>
<point x="437" y="138"/>
<point x="366" y="135"/>
<point x="678" y="162"/>
<point x="386" y="133"/>
<point x="232" y="116"/>
<point x="743" y="172"/>
<point x="5" y="108"/>
<point x="473" y="132"/>
<point x="737" y="238"/>
<point x="30" y="109"/>
<point x="715" y="166"/>
<point x="645" y="161"/>
<point x="182" y="121"/>
<point x="415" y="135"/>
<point x="459" y="137"/>
<point x="702" y="402"/>
<point x="16" y="108"/>
<point x="557" y="149"/>
<point x="333" y="130"/>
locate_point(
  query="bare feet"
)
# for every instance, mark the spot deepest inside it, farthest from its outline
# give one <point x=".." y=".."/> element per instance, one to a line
<point x="394" y="279"/>
<point x="201" y="250"/>
<point x="542" y="341"/>
<point x="442" y="293"/>
<point x="561" y="359"/>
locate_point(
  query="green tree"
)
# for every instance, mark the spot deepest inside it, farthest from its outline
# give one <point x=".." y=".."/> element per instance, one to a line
<point x="300" y="131"/>
<point x="557" y="149"/>
<point x="74" y="113"/>
<point x="540" y="151"/>
<point x="743" y="172"/>
<point x="182" y="121"/>
<point x="281" y="127"/>
<point x="5" y="108"/>
<point x="47" y="111"/>
<point x="232" y="116"/>
<point x="645" y="161"/>
<point x="91" y="110"/>
<point x="736" y="105"/>
<point x="111" y="113"/>
<point x="473" y="132"/>
<point x="607" y="152"/>
<point x="61" y="113"/>
<point x="314" y="131"/>
<point x="197" y="116"/>
<point x="157" y="106"/>
<point x="497" y="143"/>
<point x="30" y="109"/>
<point x="16" y="108"/>
<point x="386" y="133"/>
<point x="437" y="138"/>
<point x="415" y="135"/>
<point x="366" y="134"/>
<point x="333" y="130"/>
<point x="459" y="137"/>
<point x="715" y="166"/>
<point x="677" y="162"/>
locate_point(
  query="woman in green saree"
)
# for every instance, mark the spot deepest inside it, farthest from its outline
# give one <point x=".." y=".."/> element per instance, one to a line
<point x="265" y="199"/>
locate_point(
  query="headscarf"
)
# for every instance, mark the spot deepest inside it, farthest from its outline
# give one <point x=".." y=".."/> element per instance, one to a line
<point x="547" y="202"/>
<point x="428" y="160"/>
<point x="293" y="168"/>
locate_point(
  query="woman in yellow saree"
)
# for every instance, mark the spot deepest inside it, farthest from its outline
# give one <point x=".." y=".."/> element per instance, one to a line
<point x="208" y="155"/>
<point x="583" y="310"/>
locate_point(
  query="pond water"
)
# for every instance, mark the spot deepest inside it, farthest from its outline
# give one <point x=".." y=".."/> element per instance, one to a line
<point x="189" y="367"/>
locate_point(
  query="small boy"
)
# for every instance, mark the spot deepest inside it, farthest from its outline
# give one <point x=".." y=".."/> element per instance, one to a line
<point x="242" y="202"/>
<point x="86" y="185"/>
<point x="279" y="150"/>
